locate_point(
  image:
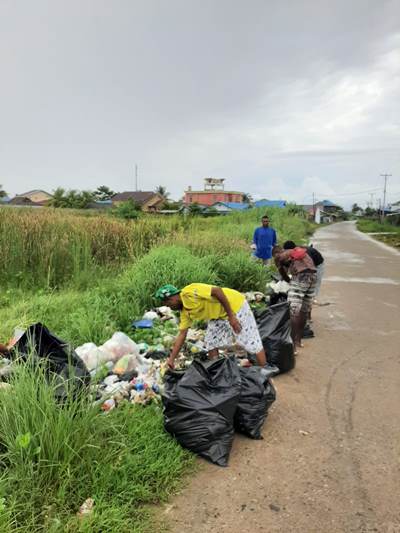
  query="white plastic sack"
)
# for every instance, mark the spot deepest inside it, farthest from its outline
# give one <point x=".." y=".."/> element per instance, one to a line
<point x="91" y="355"/>
<point x="279" y="286"/>
<point x="119" y="345"/>
<point x="150" y="315"/>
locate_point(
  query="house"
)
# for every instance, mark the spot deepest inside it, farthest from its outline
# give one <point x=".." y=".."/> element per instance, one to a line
<point x="146" y="200"/>
<point x="224" y="208"/>
<point x="36" y="196"/>
<point x="22" y="201"/>
<point x="270" y="203"/>
<point x="99" y="204"/>
<point x="213" y="192"/>
<point x="323" y="212"/>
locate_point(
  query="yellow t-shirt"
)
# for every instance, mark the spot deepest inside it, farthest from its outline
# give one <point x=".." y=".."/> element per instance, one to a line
<point x="198" y="304"/>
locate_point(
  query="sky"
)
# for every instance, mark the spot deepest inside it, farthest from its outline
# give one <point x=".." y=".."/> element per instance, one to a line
<point x="283" y="98"/>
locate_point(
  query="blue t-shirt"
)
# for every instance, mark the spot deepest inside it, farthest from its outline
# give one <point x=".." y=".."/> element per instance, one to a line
<point x="265" y="240"/>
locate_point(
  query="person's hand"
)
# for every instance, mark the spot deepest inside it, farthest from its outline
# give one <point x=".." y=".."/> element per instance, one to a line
<point x="170" y="363"/>
<point x="235" y="324"/>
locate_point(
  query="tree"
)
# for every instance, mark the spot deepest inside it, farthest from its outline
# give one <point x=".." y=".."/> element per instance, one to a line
<point x="59" y="198"/>
<point x="103" y="193"/>
<point x="356" y="208"/>
<point x="3" y="193"/>
<point x="162" y="191"/>
<point x="247" y="198"/>
<point x="195" y="209"/>
<point x="72" y="198"/>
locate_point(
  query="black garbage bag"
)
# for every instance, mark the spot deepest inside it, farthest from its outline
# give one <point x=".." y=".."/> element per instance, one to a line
<point x="277" y="298"/>
<point x="257" y="394"/>
<point x="61" y="361"/>
<point x="275" y="330"/>
<point x="199" y="406"/>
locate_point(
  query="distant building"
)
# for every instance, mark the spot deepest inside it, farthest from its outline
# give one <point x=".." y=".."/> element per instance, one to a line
<point x="36" y="196"/>
<point x="146" y="200"/>
<point x="212" y="193"/>
<point x="223" y="208"/>
<point x="323" y="212"/>
<point x="22" y="201"/>
<point x="270" y="203"/>
<point x="99" y="204"/>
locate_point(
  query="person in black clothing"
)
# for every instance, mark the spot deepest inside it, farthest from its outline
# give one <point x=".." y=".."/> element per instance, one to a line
<point x="318" y="260"/>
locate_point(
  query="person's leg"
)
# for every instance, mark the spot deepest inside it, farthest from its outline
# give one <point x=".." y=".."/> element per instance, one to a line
<point x="295" y="299"/>
<point x="249" y="337"/>
<point x="218" y="334"/>
<point x="320" y="273"/>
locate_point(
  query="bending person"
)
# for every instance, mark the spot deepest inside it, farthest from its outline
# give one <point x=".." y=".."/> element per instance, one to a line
<point x="227" y="312"/>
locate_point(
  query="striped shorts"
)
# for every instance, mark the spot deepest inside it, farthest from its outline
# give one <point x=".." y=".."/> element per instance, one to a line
<point x="220" y="334"/>
<point x="301" y="292"/>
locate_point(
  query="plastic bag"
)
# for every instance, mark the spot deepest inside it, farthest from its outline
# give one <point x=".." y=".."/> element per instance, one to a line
<point x="119" y="344"/>
<point x="199" y="406"/>
<point x="257" y="394"/>
<point x="92" y="356"/>
<point x="126" y="364"/>
<point x="275" y="331"/>
<point x="62" y="361"/>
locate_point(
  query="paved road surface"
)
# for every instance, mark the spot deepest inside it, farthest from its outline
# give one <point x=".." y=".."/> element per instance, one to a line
<point x="330" y="458"/>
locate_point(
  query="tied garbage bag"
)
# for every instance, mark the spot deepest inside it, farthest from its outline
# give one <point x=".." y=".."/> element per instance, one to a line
<point x="61" y="359"/>
<point x="199" y="406"/>
<point x="257" y="394"/>
<point x="275" y="331"/>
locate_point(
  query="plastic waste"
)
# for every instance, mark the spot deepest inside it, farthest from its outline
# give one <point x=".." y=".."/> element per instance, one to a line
<point x="199" y="406"/>
<point x="150" y="315"/>
<point x="257" y="394"/>
<point x="275" y="331"/>
<point x="92" y="356"/>
<point x="142" y="324"/>
<point x="119" y="344"/>
<point x="108" y="405"/>
<point x="62" y="363"/>
<point x="127" y="363"/>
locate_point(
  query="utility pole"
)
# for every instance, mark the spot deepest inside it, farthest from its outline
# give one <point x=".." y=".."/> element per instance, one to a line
<point x="136" y="178"/>
<point x="313" y="205"/>
<point x="386" y="176"/>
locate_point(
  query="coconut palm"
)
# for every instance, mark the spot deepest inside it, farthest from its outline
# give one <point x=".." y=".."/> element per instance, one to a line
<point x="162" y="191"/>
<point x="3" y="193"/>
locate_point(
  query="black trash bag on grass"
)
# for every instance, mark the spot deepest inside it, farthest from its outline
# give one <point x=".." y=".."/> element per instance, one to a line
<point x="199" y="406"/>
<point x="275" y="331"/>
<point x="61" y="362"/>
<point x="257" y="394"/>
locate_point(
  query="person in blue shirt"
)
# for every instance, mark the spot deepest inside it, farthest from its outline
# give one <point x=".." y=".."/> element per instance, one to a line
<point x="264" y="240"/>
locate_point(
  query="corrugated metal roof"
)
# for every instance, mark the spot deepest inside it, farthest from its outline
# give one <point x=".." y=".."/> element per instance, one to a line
<point x="270" y="203"/>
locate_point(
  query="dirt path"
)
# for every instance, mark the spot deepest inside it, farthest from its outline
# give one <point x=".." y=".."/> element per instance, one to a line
<point x="329" y="461"/>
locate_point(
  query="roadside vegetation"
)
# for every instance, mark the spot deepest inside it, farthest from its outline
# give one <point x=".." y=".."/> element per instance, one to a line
<point x="386" y="232"/>
<point x="85" y="278"/>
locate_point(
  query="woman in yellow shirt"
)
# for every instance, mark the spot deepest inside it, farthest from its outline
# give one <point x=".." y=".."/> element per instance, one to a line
<point x="227" y="312"/>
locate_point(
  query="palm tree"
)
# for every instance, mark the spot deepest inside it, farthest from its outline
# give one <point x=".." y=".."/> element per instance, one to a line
<point x="162" y="191"/>
<point x="3" y="193"/>
<point x="247" y="198"/>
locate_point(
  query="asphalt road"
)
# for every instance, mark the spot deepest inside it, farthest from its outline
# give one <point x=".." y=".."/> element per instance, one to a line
<point x="330" y="458"/>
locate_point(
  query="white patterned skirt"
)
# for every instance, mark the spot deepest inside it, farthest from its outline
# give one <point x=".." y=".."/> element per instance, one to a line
<point x="220" y="333"/>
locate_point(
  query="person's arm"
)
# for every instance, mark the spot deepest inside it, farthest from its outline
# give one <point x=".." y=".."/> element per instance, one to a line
<point x="177" y="347"/>
<point x="274" y="239"/>
<point x="281" y="268"/>
<point x="218" y="293"/>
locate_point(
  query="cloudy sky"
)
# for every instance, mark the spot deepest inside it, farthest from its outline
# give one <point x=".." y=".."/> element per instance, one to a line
<point x="283" y="98"/>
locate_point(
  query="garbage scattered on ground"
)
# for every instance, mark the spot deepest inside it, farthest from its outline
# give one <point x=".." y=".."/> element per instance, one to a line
<point x="86" y="508"/>
<point x="199" y="407"/>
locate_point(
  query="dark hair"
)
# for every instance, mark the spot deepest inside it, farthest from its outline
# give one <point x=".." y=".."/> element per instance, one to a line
<point x="289" y="245"/>
<point x="265" y="216"/>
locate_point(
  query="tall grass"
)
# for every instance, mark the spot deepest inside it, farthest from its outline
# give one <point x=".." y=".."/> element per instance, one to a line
<point x="53" y="458"/>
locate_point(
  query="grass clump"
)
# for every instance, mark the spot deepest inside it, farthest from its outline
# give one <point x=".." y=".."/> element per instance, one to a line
<point x="374" y="226"/>
<point x="52" y="458"/>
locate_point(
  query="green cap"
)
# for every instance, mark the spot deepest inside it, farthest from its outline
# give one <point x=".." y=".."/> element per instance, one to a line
<point x="166" y="291"/>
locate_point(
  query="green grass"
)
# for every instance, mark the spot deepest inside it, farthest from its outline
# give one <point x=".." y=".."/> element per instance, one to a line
<point x="53" y="458"/>
<point x="85" y="283"/>
<point x="374" y="226"/>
